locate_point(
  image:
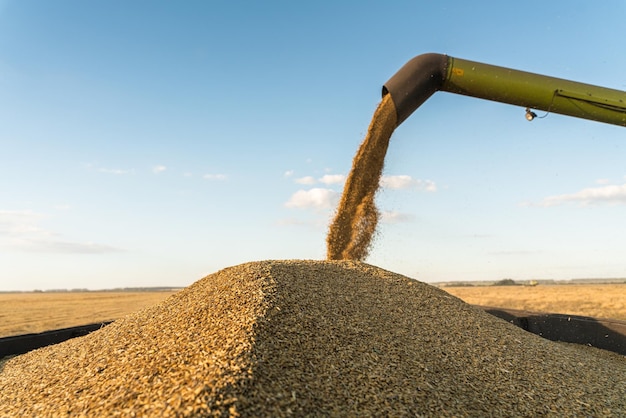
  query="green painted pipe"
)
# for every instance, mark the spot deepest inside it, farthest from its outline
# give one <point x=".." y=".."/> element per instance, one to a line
<point x="425" y="74"/>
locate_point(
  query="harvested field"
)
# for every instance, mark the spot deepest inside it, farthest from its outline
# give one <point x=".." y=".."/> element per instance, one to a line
<point x="595" y="300"/>
<point x="23" y="313"/>
<point x="313" y="338"/>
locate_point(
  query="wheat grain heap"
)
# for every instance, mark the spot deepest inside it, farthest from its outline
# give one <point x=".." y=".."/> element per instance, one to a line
<point x="312" y="338"/>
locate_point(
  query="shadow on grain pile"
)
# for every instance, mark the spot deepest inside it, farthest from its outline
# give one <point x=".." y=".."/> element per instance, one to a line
<point x="312" y="338"/>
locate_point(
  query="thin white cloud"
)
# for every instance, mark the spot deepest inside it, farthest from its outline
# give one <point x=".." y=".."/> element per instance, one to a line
<point x="61" y="247"/>
<point x="329" y="179"/>
<point x="316" y="198"/>
<point x="393" y="217"/>
<point x="16" y="223"/>
<point x="308" y="180"/>
<point x="216" y="177"/>
<point x="430" y="186"/>
<point x="612" y="194"/>
<point x="115" y="171"/>
<point x="288" y="173"/>
<point x="399" y="182"/>
<point x="158" y="169"/>
<point x="20" y="231"/>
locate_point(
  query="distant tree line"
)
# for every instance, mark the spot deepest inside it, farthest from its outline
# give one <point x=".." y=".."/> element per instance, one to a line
<point x="505" y="282"/>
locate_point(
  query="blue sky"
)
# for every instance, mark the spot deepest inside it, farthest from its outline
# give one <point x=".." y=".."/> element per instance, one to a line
<point x="149" y="143"/>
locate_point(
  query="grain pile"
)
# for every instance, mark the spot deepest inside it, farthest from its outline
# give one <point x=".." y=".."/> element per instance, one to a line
<point x="353" y="227"/>
<point x="312" y="338"/>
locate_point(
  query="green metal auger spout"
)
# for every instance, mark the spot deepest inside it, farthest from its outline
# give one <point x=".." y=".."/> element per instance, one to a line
<point x="425" y="74"/>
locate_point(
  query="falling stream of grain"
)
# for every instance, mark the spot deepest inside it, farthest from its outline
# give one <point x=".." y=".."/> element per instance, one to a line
<point x="353" y="227"/>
